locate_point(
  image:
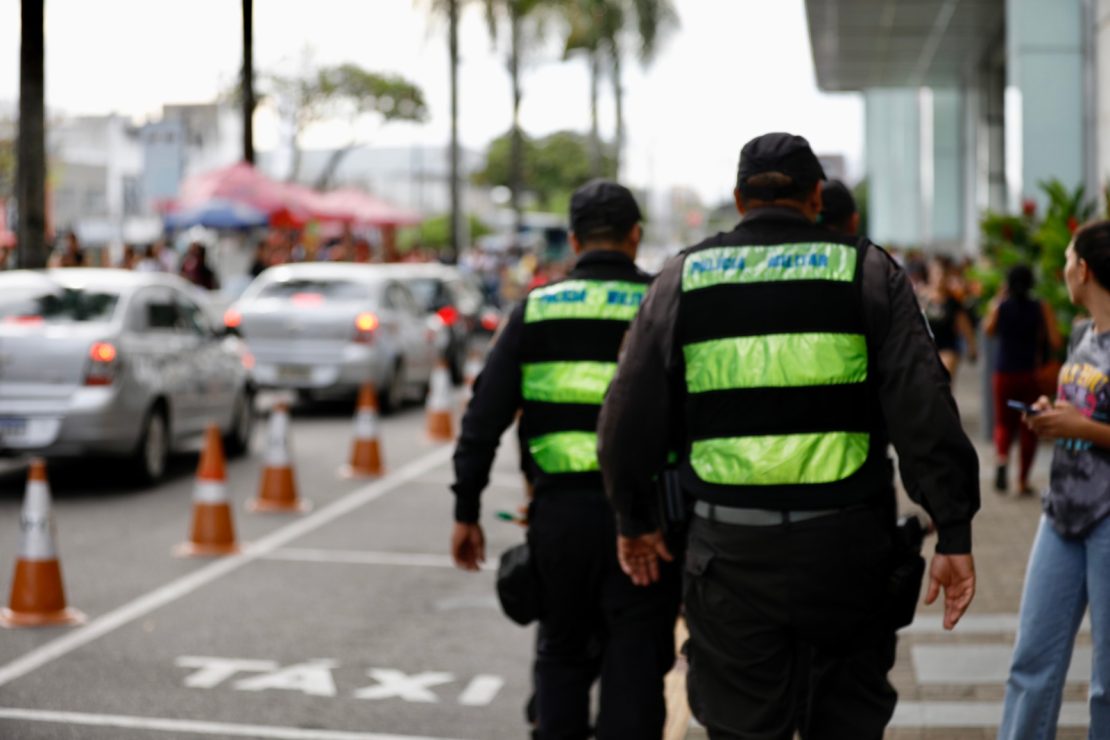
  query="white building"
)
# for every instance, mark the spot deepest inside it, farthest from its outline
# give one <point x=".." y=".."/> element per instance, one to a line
<point x="969" y="105"/>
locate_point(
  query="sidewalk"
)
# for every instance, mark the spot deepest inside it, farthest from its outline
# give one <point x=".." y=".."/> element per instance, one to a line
<point x="950" y="684"/>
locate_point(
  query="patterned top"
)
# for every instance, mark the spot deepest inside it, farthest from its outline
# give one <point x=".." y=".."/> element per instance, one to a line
<point x="1078" y="496"/>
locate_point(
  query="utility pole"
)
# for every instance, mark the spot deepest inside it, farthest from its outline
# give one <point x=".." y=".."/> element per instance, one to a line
<point x="248" y="81"/>
<point x="31" y="157"/>
<point x="457" y="226"/>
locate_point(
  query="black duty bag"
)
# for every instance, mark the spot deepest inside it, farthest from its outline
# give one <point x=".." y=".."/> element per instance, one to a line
<point x="518" y="585"/>
<point x="907" y="573"/>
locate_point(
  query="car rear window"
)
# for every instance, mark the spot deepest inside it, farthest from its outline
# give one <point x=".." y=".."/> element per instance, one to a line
<point x="315" y="291"/>
<point x="424" y="290"/>
<point x="56" y="304"/>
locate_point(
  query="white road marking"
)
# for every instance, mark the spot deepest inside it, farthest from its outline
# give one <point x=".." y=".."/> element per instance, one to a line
<point x="416" y="688"/>
<point x="185" y="585"/>
<point x="971" y="714"/>
<point x="481" y="691"/>
<point x="222" y="729"/>
<point x="364" y="557"/>
<point x="966" y="665"/>
<point x="214" y="671"/>
<point x="972" y="624"/>
<point x="313" y="678"/>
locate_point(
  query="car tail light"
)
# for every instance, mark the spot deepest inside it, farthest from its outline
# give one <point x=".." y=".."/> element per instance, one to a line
<point x="365" y="325"/>
<point x="448" y="315"/>
<point x="103" y="358"/>
<point x="232" y="318"/>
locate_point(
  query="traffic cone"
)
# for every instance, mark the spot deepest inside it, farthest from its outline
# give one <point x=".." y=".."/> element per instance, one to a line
<point x="277" y="489"/>
<point x="440" y="424"/>
<point x="471" y="369"/>
<point x="38" y="598"/>
<point x="213" y="531"/>
<point x="366" y="453"/>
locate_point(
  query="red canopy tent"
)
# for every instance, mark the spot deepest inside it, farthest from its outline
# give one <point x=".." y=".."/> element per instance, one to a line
<point x="290" y="204"/>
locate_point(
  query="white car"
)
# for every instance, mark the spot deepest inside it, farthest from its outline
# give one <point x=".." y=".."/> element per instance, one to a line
<point x="325" y="328"/>
<point x="111" y="362"/>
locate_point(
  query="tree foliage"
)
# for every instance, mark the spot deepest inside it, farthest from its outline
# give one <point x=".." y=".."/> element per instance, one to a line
<point x="1037" y="241"/>
<point x="554" y="166"/>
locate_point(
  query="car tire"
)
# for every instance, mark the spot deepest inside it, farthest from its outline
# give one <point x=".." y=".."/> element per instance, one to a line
<point x="153" y="451"/>
<point x="392" y="395"/>
<point x="237" y="441"/>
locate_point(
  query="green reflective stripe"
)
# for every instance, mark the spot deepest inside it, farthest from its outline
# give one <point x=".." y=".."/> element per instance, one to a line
<point x="585" y="299"/>
<point x="780" y="460"/>
<point x="775" y="361"/>
<point x="816" y="261"/>
<point x="565" y="452"/>
<point x="567" y="382"/>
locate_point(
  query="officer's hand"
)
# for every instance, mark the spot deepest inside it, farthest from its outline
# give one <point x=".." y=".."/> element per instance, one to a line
<point x="468" y="546"/>
<point x="956" y="575"/>
<point x="639" y="556"/>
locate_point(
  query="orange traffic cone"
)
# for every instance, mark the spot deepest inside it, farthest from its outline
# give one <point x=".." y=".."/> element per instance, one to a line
<point x="440" y="424"/>
<point x="366" y="453"/>
<point x="213" y="531"/>
<point x="277" y="489"/>
<point x="471" y="370"/>
<point x="38" y="598"/>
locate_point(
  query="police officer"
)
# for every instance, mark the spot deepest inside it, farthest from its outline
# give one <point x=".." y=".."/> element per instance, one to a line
<point x="554" y="359"/>
<point x="790" y="355"/>
<point x="838" y="208"/>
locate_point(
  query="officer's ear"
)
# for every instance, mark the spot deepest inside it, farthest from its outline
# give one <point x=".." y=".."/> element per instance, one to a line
<point x="575" y="243"/>
<point x="814" y="202"/>
<point x="853" y="222"/>
<point x="741" y="206"/>
<point x="632" y="241"/>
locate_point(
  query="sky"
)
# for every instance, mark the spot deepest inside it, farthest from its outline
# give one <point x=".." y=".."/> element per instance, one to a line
<point x="732" y="70"/>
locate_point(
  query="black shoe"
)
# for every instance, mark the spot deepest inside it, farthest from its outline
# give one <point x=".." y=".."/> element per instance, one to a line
<point x="1001" y="484"/>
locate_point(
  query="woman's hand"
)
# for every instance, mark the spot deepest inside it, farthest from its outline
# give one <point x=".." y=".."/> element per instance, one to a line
<point x="1059" y="421"/>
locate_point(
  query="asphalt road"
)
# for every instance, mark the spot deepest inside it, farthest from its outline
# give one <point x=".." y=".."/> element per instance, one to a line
<point x="346" y="622"/>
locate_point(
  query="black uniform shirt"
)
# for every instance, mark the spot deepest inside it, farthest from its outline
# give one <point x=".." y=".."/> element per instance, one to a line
<point x="497" y="391"/>
<point x="938" y="462"/>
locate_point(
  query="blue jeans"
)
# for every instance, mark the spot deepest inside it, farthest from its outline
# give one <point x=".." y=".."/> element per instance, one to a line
<point x="1063" y="577"/>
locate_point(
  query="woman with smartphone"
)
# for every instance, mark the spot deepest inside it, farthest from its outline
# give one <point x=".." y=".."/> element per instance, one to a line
<point x="1070" y="560"/>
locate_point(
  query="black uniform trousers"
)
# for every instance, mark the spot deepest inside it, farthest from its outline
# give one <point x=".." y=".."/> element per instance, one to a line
<point x="596" y="624"/>
<point x="785" y="627"/>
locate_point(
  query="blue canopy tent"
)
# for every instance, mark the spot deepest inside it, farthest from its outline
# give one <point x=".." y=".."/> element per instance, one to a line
<point x="216" y="214"/>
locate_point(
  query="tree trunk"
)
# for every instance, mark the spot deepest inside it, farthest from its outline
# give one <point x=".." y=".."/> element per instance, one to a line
<point x="31" y="158"/>
<point x="248" y="81"/>
<point x="595" y="131"/>
<point x="618" y="100"/>
<point x="516" y="156"/>
<point x="457" y="226"/>
<point x="323" y="182"/>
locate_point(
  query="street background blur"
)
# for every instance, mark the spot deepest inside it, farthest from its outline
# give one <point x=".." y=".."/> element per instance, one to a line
<point x="237" y="159"/>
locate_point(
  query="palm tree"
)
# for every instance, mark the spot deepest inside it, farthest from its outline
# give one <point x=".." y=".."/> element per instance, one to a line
<point x="31" y="157"/>
<point x="457" y="226"/>
<point x="518" y="11"/>
<point x="595" y="27"/>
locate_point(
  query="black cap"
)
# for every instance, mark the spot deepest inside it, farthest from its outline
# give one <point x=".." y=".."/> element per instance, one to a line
<point x="838" y="205"/>
<point x="787" y="154"/>
<point x="602" y="207"/>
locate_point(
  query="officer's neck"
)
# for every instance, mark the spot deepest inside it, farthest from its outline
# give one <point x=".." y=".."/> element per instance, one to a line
<point x="780" y="209"/>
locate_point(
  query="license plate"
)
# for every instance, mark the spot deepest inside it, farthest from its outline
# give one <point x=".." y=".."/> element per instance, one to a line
<point x="12" y="428"/>
<point x="294" y="374"/>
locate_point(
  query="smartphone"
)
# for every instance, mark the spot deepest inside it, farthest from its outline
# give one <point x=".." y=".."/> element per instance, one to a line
<point x="1023" y="408"/>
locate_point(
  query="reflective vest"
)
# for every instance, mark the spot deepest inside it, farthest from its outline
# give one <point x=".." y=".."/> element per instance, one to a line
<point x="573" y="331"/>
<point x="779" y="409"/>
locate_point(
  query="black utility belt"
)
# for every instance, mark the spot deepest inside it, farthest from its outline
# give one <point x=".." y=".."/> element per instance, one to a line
<point x="764" y="517"/>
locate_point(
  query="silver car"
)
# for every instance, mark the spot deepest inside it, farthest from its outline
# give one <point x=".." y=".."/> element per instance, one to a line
<point x="110" y="362"/>
<point x="325" y="328"/>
